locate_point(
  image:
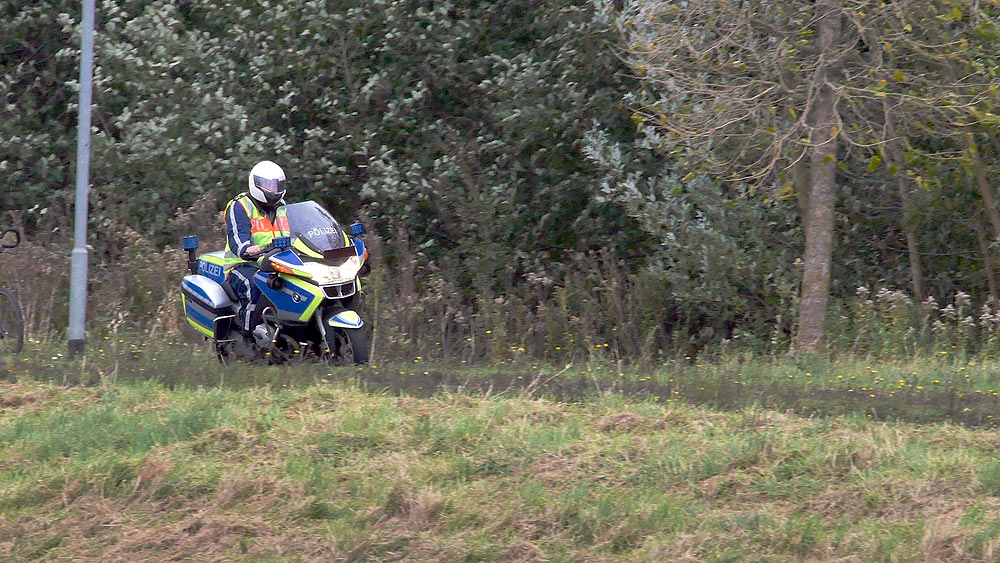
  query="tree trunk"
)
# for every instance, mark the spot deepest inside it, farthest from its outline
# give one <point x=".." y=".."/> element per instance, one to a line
<point x="800" y="181"/>
<point x="912" y="240"/>
<point x="984" y="249"/>
<point x="989" y="204"/>
<point x="909" y="212"/>
<point x="984" y="190"/>
<point x="818" y="222"/>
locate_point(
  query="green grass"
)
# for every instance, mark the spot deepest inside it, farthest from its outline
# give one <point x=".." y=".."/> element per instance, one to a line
<point x="944" y="385"/>
<point x="321" y="471"/>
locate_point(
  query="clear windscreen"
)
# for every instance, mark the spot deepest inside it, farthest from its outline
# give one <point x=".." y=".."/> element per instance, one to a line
<point x="314" y="226"/>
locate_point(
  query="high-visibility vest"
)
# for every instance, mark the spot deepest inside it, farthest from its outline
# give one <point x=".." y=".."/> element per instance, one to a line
<point x="262" y="230"/>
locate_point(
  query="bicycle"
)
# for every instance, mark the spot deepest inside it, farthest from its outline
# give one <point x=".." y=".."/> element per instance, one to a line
<point x="11" y="318"/>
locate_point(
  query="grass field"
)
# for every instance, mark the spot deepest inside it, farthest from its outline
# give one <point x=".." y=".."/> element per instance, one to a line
<point x="940" y="386"/>
<point x="186" y="461"/>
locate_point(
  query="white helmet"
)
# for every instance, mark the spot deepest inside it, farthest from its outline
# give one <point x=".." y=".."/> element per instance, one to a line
<point x="267" y="183"/>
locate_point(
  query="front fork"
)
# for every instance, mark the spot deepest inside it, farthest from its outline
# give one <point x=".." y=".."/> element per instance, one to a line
<point x="321" y="324"/>
<point x="325" y="321"/>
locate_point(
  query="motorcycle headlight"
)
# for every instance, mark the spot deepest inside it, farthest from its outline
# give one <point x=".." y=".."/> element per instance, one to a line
<point x="323" y="274"/>
<point x="320" y="273"/>
<point x="327" y="275"/>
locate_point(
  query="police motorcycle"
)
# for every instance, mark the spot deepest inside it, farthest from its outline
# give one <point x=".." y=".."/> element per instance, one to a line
<point x="310" y="283"/>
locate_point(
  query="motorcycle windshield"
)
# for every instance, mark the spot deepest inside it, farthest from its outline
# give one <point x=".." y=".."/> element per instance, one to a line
<point x="314" y="226"/>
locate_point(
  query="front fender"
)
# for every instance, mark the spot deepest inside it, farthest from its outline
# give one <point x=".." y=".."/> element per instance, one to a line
<point x="345" y="319"/>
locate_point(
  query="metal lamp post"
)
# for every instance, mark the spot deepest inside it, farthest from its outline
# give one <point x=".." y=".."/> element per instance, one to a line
<point x="78" y="278"/>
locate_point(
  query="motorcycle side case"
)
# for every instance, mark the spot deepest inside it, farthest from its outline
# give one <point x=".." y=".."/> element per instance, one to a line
<point x="207" y="307"/>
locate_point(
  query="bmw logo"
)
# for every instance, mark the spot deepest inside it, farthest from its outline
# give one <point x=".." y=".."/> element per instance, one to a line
<point x="296" y="297"/>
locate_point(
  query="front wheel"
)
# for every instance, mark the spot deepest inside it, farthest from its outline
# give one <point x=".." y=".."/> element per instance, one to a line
<point x="11" y="324"/>
<point x="347" y="346"/>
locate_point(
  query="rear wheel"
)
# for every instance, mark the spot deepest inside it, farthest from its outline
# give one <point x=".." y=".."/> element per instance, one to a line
<point x="11" y="324"/>
<point x="347" y="346"/>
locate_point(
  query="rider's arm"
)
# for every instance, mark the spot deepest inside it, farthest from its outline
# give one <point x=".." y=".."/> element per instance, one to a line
<point x="239" y="232"/>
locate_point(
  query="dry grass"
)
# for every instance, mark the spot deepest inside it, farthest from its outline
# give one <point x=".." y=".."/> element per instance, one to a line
<point x="329" y="473"/>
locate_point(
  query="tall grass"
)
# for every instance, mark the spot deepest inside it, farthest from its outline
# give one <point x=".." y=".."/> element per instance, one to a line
<point x="921" y="388"/>
<point x="593" y="308"/>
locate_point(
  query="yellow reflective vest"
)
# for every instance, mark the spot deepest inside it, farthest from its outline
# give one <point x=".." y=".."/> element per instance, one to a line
<point x="262" y="229"/>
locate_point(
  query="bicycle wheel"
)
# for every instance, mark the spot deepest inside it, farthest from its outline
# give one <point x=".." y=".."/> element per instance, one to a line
<point x="11" y="324"/>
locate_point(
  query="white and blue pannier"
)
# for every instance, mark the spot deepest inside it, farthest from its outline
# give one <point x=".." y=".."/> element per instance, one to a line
<point x="207" y="306"/>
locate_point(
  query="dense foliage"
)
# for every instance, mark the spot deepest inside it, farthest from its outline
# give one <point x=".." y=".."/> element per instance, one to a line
<point x="493" y="147"/>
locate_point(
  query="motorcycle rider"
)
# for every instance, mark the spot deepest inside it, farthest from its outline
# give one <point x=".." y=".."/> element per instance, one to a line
<point x="252" y="222"/>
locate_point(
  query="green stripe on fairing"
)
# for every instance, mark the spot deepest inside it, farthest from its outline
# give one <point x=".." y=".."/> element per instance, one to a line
<point x="194" y="323"/>
<point x="301" y="247"/>
<point x="317" y="294"/>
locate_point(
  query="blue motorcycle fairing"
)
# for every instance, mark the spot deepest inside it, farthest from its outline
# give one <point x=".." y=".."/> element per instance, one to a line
<point x="295" y="301"/>
<point x="290" y="257"/>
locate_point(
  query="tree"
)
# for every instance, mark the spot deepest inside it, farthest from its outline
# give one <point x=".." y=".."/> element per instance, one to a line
<point x="460" y="124"/>
<point x="37" y="103"/>
<point x="765" y="87"/>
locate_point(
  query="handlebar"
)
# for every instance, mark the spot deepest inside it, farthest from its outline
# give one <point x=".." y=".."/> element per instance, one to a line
<point x="266" y="252"/>
<point x="17" y="239"/>
<point x="270" y="249"/>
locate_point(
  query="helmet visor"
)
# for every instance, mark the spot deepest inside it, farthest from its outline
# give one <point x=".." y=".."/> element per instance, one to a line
<point x="273" y="188"/>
